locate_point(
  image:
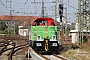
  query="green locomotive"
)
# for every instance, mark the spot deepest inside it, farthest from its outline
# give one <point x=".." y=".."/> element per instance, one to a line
<point x="45" y="36"/>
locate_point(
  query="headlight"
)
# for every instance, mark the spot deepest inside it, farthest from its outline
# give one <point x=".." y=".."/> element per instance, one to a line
<point x="54" y="37"/>
<point x="39" y="38"/>
<point x="54" y="44"/>
<point x="38" y="44"/>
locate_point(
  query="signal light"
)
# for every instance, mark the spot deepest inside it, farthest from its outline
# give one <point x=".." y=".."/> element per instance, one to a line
<point x="61" y="11"/>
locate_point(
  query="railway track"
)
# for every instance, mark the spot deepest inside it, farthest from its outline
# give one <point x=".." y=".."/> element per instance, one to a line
<point x="16" y="49"/>
<point x="37" y="56"/>
<point x="55" y="57"/>
<point x="8" y="48"/>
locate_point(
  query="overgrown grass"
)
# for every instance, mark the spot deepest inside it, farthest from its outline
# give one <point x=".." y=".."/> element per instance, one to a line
<point x="85" y="47"/>
<point x="82" y="53"/>
<point x="69" y="54"/>
<point x="76" y="55"/>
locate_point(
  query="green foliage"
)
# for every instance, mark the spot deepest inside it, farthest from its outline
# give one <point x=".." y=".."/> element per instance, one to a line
<point x="4" y="32"/>
<point x="85" y="39"/>
<point x="16" y="29"/>
<point x="2" y="26"/>
<point x="4" y="29"/>
<point x="20" y="22"/>
<point x="12" y="32"/>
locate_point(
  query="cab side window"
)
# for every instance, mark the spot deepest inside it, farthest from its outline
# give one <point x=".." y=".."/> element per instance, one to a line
<point x="52" y="23"/>
<point x="34" y="24"/>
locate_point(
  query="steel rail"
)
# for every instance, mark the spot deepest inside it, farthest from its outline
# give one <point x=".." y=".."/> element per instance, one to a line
<point x="59" y="57"/>
<point x="10" y="48"/>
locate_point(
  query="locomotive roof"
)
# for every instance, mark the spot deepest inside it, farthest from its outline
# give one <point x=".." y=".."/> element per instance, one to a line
<point x="45" y="19"/>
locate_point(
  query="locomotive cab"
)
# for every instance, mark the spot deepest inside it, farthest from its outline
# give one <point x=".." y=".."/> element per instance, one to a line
<point x="44" y="35"/>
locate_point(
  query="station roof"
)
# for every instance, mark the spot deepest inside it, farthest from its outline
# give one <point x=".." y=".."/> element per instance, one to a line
<point x="18" y="18"/>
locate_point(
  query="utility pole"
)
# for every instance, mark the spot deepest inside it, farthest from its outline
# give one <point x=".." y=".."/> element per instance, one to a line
<point x="10" y="14"/>
<point x="61" y="15"/>
<point x="43" y="8"/>
<point x="42" y="13"/>
<point x="10" y="24"/>
<point x="55" y="10"/>
<point x="29" y="31"/>
<point x="83" y="18"/>
<point x="9" y="2"/>
<point x="66" y="25"/>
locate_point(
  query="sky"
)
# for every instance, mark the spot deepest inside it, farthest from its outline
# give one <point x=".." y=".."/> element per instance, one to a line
<point x="25" y="7"/>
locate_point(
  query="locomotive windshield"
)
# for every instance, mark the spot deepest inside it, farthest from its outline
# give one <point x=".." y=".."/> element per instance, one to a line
<point x="44" y="22"/>
<point x="40" y="23"/>
<point x="52" y="23"/>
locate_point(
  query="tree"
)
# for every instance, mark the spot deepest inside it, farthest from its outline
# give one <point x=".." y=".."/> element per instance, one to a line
<point x="2" y="26"/>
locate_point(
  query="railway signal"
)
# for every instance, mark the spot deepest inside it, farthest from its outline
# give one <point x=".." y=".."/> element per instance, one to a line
<point x="61" y="11"/>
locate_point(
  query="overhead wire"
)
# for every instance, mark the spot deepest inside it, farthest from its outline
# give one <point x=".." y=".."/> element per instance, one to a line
<point x="4" y="5"/>
<point x="7" y="7"/>
<point x="37" y="8"/>
<point x="70" y="6"/>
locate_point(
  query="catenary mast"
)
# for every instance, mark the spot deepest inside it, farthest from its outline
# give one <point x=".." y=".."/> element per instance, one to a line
<point x="83" y="18"/>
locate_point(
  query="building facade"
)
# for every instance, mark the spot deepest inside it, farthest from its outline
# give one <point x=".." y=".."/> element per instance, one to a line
<point x="18" y="21"/>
